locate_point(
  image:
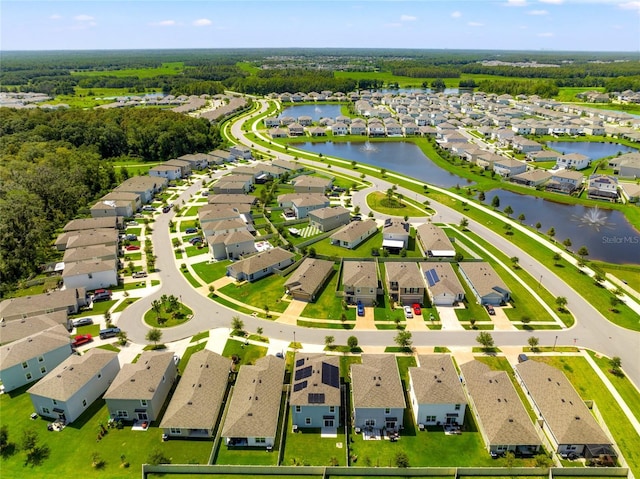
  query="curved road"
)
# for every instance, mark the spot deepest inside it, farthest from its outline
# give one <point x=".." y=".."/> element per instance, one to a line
<point x="591" y="330"/>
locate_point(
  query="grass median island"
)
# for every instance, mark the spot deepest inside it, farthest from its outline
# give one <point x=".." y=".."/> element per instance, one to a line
<point x="166" y="314"/>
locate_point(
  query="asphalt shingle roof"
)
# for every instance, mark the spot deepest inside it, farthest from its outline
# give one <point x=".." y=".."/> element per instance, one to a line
<point x="436" y="380"/>
<point x="140" y="380"/>
<point x="376" y="382"/>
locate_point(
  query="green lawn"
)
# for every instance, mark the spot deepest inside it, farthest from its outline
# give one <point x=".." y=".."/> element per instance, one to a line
<point x="167" y="319"/>
<point x="185" y="224"/>
<point x="189" y="277"/>
<point x="100" y="307"/>
<point x="199" y="336"/>
<point x="122" y="306"/>
<point x="209" y="272"/>
<point x="345" y="366"/>
<point x="71" y="449"/>
<point x="328" y="306"/>
<point x="379" y="202"/>
<point x="195" y="251"/>
<point x="170" y="68"/>
<point x="308" y="448"/>
<point x="92" y="329"/>
<point x="589" y="386"/>
<point x="627" y="273"/>
<point x="265" y="291"/>
<point x="184" y="360"/>
<point x="324" y="247"/>
<point x="248" y="354"/>
<point x="134" y="231"/>
<point x="192" y="211"/>
<point x="231" y="305"/>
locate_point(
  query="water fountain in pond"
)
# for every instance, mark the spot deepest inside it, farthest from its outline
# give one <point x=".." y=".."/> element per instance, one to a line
<point x="317" y="109"/>
<point x="368" y="147"/>
<point x="594" y="219"/>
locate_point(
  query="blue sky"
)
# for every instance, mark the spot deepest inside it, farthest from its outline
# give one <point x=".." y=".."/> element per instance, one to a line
<point x="591" y="25"/>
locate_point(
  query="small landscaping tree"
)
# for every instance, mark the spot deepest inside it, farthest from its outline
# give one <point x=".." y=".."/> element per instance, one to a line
<point x="567" y="243"/>
<point x="237" y="324"/>
<point x="266" y="310"/>
<point x="508" y="210"/>
<point x="36" y="453"/>
<point x="458" y="257"/>
<point x="154" y="335"/>
<point x="614" y="301"/>
<point x="481" y="196"/>
<point x="402" y="459"/>
<point x="464" y="222"/>
<point x="515" y="262"/>
<point x="561" y="302"/>
<point x="259" y="331"/>
<point x="157" y="457"/>
<point x="533" y="343"/>
<point x="352" y="342"/>
<point x="616" y="366"/>
<point x="485" y="339"/>
<point x="582" y="252"/>
<point x="495" y="202"/>
<point x="542" y="460"/>
<point x="551" y="233"/>
<point x="521" y="218"/>
<point x="122" y="338"/>
<point x="403" y="339"/>
<point x="556" y="258"/>
<point x="538" y="226"/>
<point x="328" y="341"/>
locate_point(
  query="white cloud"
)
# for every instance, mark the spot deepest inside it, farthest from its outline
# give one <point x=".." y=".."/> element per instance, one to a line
<point x="55" y="16"/>
<point x="456" y="14"/>
<point x="202" y="22"/>
<point x="554" y="2"/>
<point x="545" y="34"/>
<point x="475" y="24"/>
<point x="537" y="12"/>
<point x="630" y="6"/>
<point x="163" y="23"/>
<point x="83" y="18"/>
<point x="516" y="3"/>
<point x="408" y="18"/>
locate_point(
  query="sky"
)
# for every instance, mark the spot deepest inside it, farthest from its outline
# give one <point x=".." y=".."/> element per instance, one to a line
<point x="585" y="25"/>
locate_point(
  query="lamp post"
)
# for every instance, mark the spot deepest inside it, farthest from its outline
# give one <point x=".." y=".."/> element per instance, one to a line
<point x="294" y="341"/>
<point x="554" y="343"/>
<point x="540" y="282"/>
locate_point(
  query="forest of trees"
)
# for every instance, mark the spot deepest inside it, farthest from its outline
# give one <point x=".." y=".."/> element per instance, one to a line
<point x="54" y="164"/>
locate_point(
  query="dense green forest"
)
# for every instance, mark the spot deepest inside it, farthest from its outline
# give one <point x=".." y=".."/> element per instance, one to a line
<point x="54" y="164"/>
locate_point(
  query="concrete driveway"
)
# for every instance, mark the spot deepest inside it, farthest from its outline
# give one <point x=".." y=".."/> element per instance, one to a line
<point x="449" y="319"/>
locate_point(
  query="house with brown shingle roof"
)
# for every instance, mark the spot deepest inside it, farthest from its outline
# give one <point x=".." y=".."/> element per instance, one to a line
<point x="81" y="238"/>
<point x="311" y="184"/>
<point x="254" y="410"/>
<point x="435" y="391"/>
<point x="233" y="245"/>
<point x="534" y="177"/>
<point x="91" y="274"/>
<point x="67" y="300"/>
<point x="91" y="224"/>
<point x="196" y="403"/>
<point x="307" y="280"/>
<point x="443" y="285"/>
<point x="405" y="283"/>
<point x="31" y="358"/>
<point x="329" y="218"/>
<point x="565" y="418"/>
<point x="11" y="331"/>
<point x="315" y="398"/>
<point x="486" y="285"/>
<point x="360" y="282"/>
<point x="74" y="385"/>
<point x="434" y="241"/>
<point x="140" y="389"/>
<point x="260" y="265"/>
<point x="351" y="235"/>
<point x="502" y="419"/>
<point x="376" y="393"/>
<point x="99" y="251"/>
<point x="395" y="234"/>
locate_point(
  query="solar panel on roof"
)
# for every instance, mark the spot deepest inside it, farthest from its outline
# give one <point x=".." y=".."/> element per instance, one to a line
<point x="316" y="398"/>
<point x="432" y="276"/>
<point x="436" y="278"/>
<point x="299" y="386"/>
<point x="330" y="375"/>
<point x="303" y="373"/>
<point x="299" y="362"/>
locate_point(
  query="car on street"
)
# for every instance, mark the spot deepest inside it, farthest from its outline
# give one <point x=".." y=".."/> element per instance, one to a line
<point x="81" y="339"/>
<point x="490" y="310"/>
<point x="148" y="208"/>
<point x="407" y="312"/>
<point x="191" y="231"/>
<point x="166" y="209"/>
<point x="139" y="274"/>
<point x="82" y="322"/>
<point x="132" y="247"/>
<point x="109" y="333"/>
<point x="360" y="308"/>
<point x="416" y="309"/>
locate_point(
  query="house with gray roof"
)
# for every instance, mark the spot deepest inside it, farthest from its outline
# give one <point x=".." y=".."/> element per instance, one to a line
<point x="311" y="184"/>
<point x="197" y="401"/>
<point x="351" y="235"/>
<point x="486" y="285"/>
<point x="502" y="419"/>
<point x="443" y="285"/>
<point x="232" y="199"/>
<point x="564" y="416"/>
<point x="91" y="274"/>
<point x="91" y="224"/>
<point x="535" y="177"/>
<point x="315" y="398"/>
<point x="220" y="156"/>
<point x="360" y="282"/>
<point x="434" y="241"/>
<point x="435" y="391"/>
<point x="82" y="238"/>
<point x="169" y="172"/>
<point x="287" y="165"/>
<point x="198" y="161"/>
<point x="11" y="331"/>
<point x="565" y="181"/>
<point x="573" y="161"/>
<point x="31" y="358"/>
<point x="145" y="186"/>
<point x="231" y="245"/>
<point x="140" y="389"/>
<point x="68" y="300"/>
<point x="307" y="280"/>
<point x="260" y="265"/>
<point x="105" y="208"/>
<point x="405" y="283"/>
<point x="99" y="251"/>
<point x="376" y="393"/>
<point x="329" y="218"/>
<point x="254" y="410"/>
<point x="74" y="385"/>
<point x="185" y="166"/>
<point x="507" y="167"/>
<point x="241" y="152"/>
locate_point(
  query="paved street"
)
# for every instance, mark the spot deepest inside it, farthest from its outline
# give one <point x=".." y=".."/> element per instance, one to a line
<point x="591" y="330"/>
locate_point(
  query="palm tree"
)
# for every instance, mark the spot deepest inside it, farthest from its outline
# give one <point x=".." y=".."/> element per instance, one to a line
<point x="157" y="307"/>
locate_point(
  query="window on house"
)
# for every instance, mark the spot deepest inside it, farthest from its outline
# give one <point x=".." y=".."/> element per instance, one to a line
<point x="45" y="410"/>
<point x="43" y="370"/>
<point x="501" y="447"/>
<point x="387" y="410"/>
<point x="298" y="408"/>
<point x="99" y="375"/>
<point x="370" y="423"/>
<point x="260" y="440"/>
<point x="28" y="376"/>
<point x="332" y="409"/>
<point x="457" y="407"/>
<point x="84" y="403"/>
<point x="175" y="430"/>
<point x="122" y="414"/>
<point x="25" y="365"/>
<point x="41" y="359"/>
<point x="143" y="402"/>
<point x="430" y="419"/>
<point x="307" y="421"/>
<point x="55" y="403"/>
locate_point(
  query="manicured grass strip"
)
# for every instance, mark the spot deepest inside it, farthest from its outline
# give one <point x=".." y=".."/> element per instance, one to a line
<point x="184" y="360"/>
<point x="209" y="272"/>
<point x="363" y="250"/>
<point x="589" y="386"/>
<point x="230" y="305"/>
<point x="122" y="306"/>
<point x="327" y="305"/>
<point x="247" y="354"/>
<point x="325" y="324"/>
<point x="199" y="336"/>
<point x="189" y="277"/>
<point x="195" y="251"/>
<point x="109" y="347"/>
<point x="265" y="291"/>
<point x="92" y="329"/>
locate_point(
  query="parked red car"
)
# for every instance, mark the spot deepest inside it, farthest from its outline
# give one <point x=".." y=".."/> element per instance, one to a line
<point x="416" y="309"/>
<point x="81" y="339"/>
<point x="132" y="247"/>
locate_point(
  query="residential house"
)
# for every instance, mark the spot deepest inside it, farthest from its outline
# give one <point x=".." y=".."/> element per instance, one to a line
<point x="145" y="186"/>
<point x="98" y="251"/>
<point x="507" y="167"/>
<point x="260" y="265"/>
<point x="133" y="198"/>
<point x="91" y="274"/>
<point x="543" y="155"/>
<point x="405" y="284"/>
<point x="170" y="172"/>
<point x="302" y="205"/>
<point x="602" y="187"/>
<point x="573" y="161"/>
<point x="296" y="129"/>
<point x="340" y="129"/>
<point x="524" y="145"/>
<point x="329" y="218"/>
<point x="565" y="181"/>
<point x="535" y="177"/>
<point x="358" y="128"/>
<point x="105" y="208"/>
<point x="231" y="245"/>
<point x="377" y="395"/>
<point x="241" y="152"/>
<point x="271" y="121"/>
<point x="11" y="331"/>
<point x="31" y="358"/>
<point x="140" y="390"/>
<point x="235" y="201"/>
<point x="360" y="282"/>
<point x="315" y="398"/>
<point x="308" y="279"/>
<point x="562" y="413"/>
<point x="198" y="161"/>
<point x="91" y="224"/>
<point x="81" y="238"/>
<point x="317" y="131"/>
<point x="233" y="185"/>
<point x="502" y="419"/>
<point x="485" y="284"/>
<point x="395" y="234"/>
<point x="289" y="166"/>
<point x="278" y="133"/>
<point x="351" y="235"/>
<point x="628" y="166"/>
<point x="434" y="241"/>
<point x="220" y="156"/>
<point x="487" y="160"/>
<point x="67" y="300"/>
<point x="311" y="184"/>
<point x="630" y="191"/>
<point x="443" y="284"/>
<point x="195" y="406"/>
<point x="435" y="391"/>
<point x="254" y="409"/>
<point x="74" y="385"/>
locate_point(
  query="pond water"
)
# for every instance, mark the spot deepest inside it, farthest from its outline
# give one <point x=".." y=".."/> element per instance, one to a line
<point x="606" y="233"/>
<point x="314" y="111"/>
<point x="594" y="150"/>
<point x="402" y="157"/>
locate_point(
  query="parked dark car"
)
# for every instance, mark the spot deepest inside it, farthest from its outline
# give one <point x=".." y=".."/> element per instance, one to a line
<point x="82" y="322"/>
<point x="101" y="295"/>
<point x="166" y="209"/>
<point x="109" y="333"/>
<point x="490" y="310"/>
<point x="190" y="231"/>
<point x="195" y="240"/>
<point x="360" y="308"/>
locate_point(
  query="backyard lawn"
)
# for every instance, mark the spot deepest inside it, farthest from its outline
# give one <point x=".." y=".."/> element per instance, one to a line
<point x="209" y="272"/>
<point x="265" y="291"/>
<point x="324" y="247"/>
<point x="306" y="447"/>
<point x="71" y="450"/>
<point x="328" y="305"/>
<point x="248" y="354"/>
